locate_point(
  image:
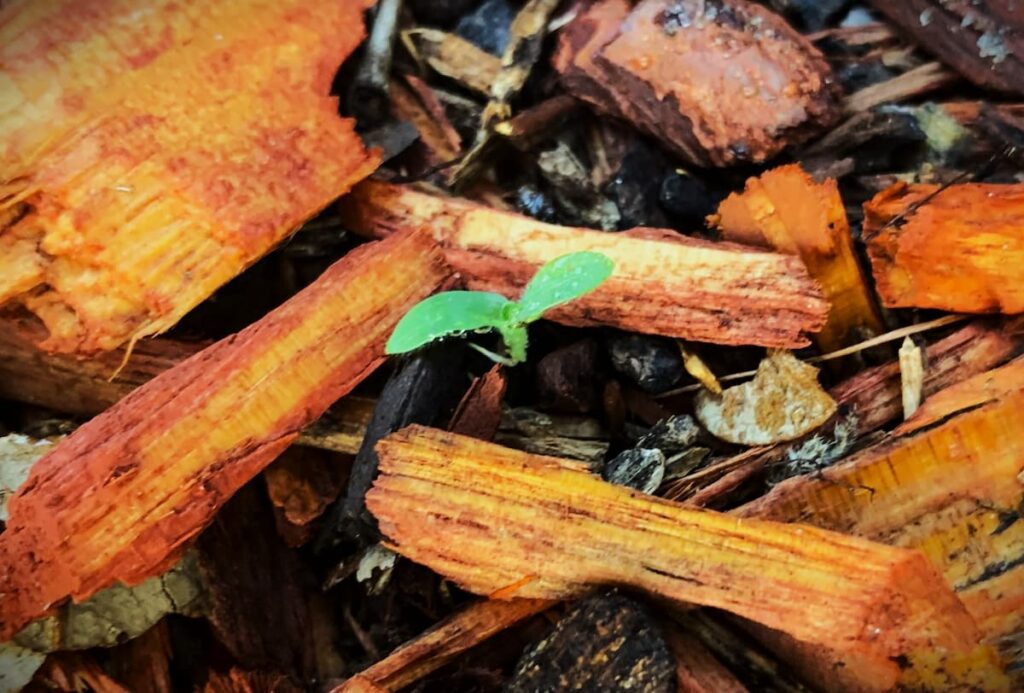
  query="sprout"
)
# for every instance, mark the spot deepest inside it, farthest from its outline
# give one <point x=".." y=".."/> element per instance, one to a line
<point x="454" y="312"/>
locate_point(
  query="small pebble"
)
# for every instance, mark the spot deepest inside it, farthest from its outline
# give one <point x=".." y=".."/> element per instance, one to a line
<point x="673" y="434"/>
<point x="639" y="468"/>
<point x="652" y="363"/>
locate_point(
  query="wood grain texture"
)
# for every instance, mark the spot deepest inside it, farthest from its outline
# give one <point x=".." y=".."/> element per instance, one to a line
<point x="785" y="210"/>
<point x="983" y="41"/>
<point x="949" y="482"/>
<point x="718" y="83"/>
<point x="663" y="283"/>
<point x="121" y="497"/>
<point x="150" y="151"/>
<point x="959" y="250"/>
<point x="551" y="529"/>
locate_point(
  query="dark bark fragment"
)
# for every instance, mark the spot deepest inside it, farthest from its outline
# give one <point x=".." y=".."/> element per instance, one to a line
<point x="608" y="642"/>
<point x="425" y="389"/>
<point x="982" y="41"/>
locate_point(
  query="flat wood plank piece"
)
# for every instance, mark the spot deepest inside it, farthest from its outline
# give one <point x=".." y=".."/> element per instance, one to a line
<point x="551" y="530"/>
<point x="151" y="150"/>
<point x="663" y="283"/>
<point x="982" y="41"/>
<point x="121" y="497"/>
<point x="958" y="250"/>
<point x="950" y="482"/>
<point x="719" y="83"/>
<point x="785" y="210"/>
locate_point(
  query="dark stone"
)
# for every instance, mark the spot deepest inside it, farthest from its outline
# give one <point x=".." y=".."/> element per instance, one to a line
<point x="567" y="378"/>
<point x="685" y="199"/>
<point x="673" y="434"/>
<point x="859" y="75"/>
<point x="488" y="26"/>
<point x="652" y="363"/>
<point x="608" y="642"/>
<point x="638" y="468"/>
<point x="635" y="186"/>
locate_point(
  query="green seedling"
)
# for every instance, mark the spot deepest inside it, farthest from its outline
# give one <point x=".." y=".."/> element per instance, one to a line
<point x="456" y="312"/>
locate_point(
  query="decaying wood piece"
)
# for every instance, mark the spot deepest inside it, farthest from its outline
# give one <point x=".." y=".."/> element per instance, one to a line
<point x="725" y="640"/>
<point x="443" y="643"/>
<point x="786" y="210"/>
<point x="982" y="41"/>
<point x="717" y="82"/>
<point x="663" y="282"/>
<point x="914" y="82"/>
<point x="525" y="40"/>
<point x="75" y="385"/>
<point x="959" y="249"/>
<point x="259" y="604"/>
<point x="547" y="529"/>
<point x="949" y="482"/>
<point x="455" y="58"/>
<point x="607" y="642"/>
<point x="302" y="484"/>
<point x="875" y="394"/>
<point x="182" y="444"/>
<point x="424" y="390"/>
<point x="147" y="157"/>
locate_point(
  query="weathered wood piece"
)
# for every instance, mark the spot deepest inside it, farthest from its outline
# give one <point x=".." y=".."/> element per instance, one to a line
<point x="982" y="41"/>
<point x="147" y="157"/>
<point x="258" y="594"/>
<point x="959" y="249"/>
<point x="663" y="282"/>
<point x="948" y="482"/>
<point x="607" y="642"/>
<point x="551" y="530"/>
<point x="121" y="497"/>
<point x="786" y="210"/>
<point x="424" y="390"/>
<point x="718" y="82"/>
<point x="443" y="643"/>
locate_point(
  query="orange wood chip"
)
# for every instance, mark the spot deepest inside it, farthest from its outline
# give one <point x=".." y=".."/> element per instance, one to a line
<point x="151" y="150"/>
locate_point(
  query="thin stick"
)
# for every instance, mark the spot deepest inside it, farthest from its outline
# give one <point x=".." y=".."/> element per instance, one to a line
<point x="856" y="348"/>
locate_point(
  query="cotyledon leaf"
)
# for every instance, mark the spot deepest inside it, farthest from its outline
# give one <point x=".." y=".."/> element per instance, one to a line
<point x="444" y="314"/>
<point x="561" y="280"/>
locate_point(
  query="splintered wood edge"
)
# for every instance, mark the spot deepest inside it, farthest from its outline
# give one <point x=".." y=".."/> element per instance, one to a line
<point x="183" y="443"/>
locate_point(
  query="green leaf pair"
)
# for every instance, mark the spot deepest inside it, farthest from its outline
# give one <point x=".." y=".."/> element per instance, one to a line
<point x="454" y="312"/>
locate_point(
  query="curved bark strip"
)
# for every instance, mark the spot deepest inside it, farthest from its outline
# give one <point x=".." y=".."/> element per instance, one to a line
<point x="121" y="497"/>
<point x="719" y="82"/>
<point x="664" y="283"/>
